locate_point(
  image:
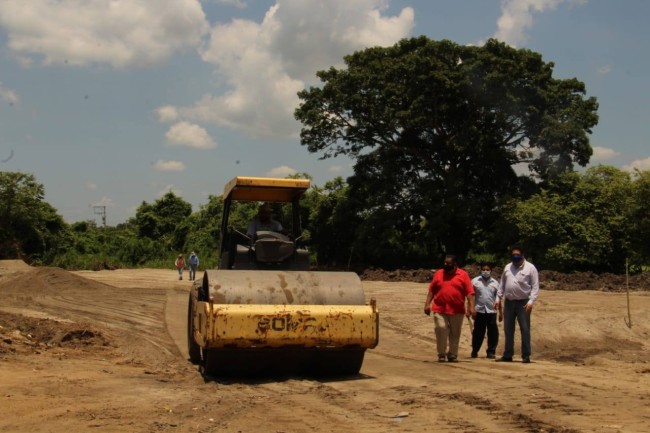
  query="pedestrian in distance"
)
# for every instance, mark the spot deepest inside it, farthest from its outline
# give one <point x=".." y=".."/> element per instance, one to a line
<point x="193" y="262"/>
<point x="485" y="290"/>
<point x="518" y="290"/>
<point x="448" y="290"/>
<point x="180" y="265"/>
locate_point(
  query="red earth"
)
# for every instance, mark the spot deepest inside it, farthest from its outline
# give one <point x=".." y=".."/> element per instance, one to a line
<point x="105" y="351"/>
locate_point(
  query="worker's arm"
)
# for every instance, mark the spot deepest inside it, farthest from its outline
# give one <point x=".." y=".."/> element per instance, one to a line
<point x="427" y="303"/>
<point x="534" y="284"/>
<point x="431" y="291"/>
<point x="501" y="291"/>
<point x="469" y="294"/>
<point x="471" y="311"/>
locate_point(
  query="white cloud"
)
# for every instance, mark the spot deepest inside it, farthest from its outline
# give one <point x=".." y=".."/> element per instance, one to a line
<point x="189" y="135"/>
<point x="282" y="171"/>
<point x="237" y="3"/>
<point x="161" y="165"/>
<point x="90" y="186"/>
<point x="603" y="153"/>
<point x="170" y="188"/>
<point x="639" y="164"/>
<point x="105" y="201"/>
<point x="517" y="17"/>
<point x="8" y="95"/>
<point x="604" y="70"/>
<point x="119" y="33"/>
<point x="167" y="113"/>
<point x="335" y="169"/>
<point x="265" y="64"/>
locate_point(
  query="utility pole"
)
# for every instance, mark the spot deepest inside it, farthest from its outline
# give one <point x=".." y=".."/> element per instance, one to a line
<point x="100" y="210"/>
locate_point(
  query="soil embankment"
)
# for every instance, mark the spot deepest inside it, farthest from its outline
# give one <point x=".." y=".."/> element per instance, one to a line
<point x="103" y="351"/>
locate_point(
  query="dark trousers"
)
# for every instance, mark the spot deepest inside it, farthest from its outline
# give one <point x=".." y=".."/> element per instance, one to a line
<point x="516" y="311"/>
<point x="485" y="322"/>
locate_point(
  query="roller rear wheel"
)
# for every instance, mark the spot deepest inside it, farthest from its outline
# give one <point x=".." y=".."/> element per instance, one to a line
<point x="193" y="348"/>
<point x="269" y="362"/>
<point x="341" y="362"/>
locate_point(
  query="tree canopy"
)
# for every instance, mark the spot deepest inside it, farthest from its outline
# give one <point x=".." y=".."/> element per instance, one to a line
<point x="29" y="226"/>
<point x="437" y="129"/>
<point x="164" y="220"/>
<point x="579" y="221"/>
<point x="591" y="220"/>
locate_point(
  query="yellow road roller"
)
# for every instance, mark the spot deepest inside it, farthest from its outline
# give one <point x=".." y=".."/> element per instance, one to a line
<point x="263" y="311"/>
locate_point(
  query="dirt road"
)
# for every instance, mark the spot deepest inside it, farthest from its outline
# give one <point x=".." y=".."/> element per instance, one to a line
<point x="104" y="351"/>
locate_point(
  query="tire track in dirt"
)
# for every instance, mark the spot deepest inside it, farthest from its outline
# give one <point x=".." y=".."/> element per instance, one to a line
<point x="561" y="408"/>
<point x="402" y="387"/>
<point x="138" y="313"/>
<point x="176" y="319"/>
<point x="486" y="415"/>
<point x="572" y="390"/>
<point x="78" y="305"/>
<point x="571" y="395"/>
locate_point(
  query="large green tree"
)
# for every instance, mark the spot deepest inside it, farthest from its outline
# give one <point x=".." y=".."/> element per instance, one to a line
<point x="437" y="129"/>
<point x="205" y="230"/>
<point x="165" y="220"/>
<point x="640" y="215"/>
<point x="331" y="223"/>
<point x="29" y="226"/>
<point x="579" y="221"/>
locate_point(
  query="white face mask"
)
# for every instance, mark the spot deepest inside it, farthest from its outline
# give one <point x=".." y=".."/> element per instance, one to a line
<point x="485" y="274"/>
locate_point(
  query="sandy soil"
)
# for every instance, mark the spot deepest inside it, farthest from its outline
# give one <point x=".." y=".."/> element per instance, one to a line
<point x="105" y="351"/>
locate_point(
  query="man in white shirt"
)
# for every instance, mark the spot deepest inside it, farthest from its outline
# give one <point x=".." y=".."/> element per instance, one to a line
<point x="485" y="289"/>
<point x="519" y="288"/>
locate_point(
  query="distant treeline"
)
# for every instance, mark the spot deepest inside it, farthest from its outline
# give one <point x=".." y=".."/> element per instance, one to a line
<point x="579" y="221"/>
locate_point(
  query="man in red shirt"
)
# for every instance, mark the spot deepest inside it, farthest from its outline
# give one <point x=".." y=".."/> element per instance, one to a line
<point x="447" y="292"/>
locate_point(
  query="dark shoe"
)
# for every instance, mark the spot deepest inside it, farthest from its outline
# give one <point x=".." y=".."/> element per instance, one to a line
<point x="490" y="356"/>
<point x="504" y="359"/>
<point x="452" y="359"/>
<point x="442" y="358"/>
<point x="525" y="360"/>
<point x="474" y="355"/>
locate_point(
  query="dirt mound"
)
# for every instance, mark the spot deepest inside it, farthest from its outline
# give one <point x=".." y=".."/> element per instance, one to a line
<point x="605" y="282"/>
<point x="21" y="334"/>
<point x="589" y="370"/>
<point x="549" y="280"/>
<point x="46" y="279"/>
<point x="13" y="265"/>
<point x="409" y="275"/>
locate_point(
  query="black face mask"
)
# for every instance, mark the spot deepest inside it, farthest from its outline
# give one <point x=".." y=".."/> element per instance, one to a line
<point x="448" y="267"/>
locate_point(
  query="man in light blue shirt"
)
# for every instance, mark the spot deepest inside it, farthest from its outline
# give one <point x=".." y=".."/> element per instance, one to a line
<point x="263" y="221"/>
<point x="486" y="289"/>
<point x="519" y="287"/>
<point x="193" y="261"/>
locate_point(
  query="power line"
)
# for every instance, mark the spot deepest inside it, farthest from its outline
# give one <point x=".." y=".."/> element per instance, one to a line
<point x="100" y="210"/>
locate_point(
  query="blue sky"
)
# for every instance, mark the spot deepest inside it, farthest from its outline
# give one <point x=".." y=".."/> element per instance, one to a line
<point x="112" y="102"/>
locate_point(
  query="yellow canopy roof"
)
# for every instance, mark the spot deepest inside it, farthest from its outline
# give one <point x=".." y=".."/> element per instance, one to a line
<point x="243" y="188"/>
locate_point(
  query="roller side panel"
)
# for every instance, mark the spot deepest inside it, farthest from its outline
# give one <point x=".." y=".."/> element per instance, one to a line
<point x="256" y="326"/>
